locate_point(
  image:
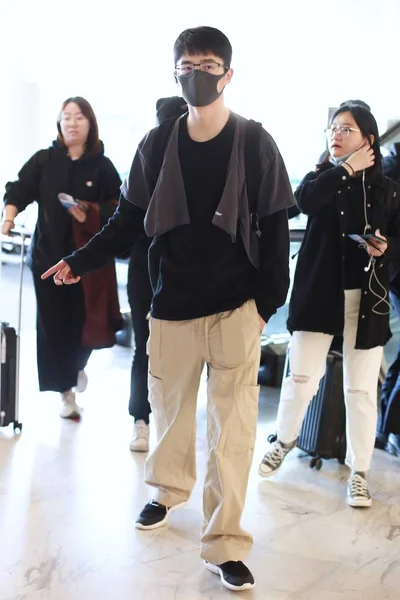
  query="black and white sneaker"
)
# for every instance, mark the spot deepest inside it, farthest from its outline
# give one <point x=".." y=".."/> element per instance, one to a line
<point x="358" y="495"/>
<point x="273" y="459"/>
<point x="155" y="515"/>
<point x="234" y="575"/>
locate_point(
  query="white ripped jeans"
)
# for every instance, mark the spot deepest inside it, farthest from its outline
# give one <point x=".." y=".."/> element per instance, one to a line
<point x="308" y="355"/>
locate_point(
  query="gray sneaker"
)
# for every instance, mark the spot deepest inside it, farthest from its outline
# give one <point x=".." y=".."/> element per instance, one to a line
<point x="358" y="495"/>
<point x="273" y="459"/>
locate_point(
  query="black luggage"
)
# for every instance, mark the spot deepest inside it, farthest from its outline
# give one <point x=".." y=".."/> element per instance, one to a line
<point x="10" y="346"/>
<point x="323" y="433"/>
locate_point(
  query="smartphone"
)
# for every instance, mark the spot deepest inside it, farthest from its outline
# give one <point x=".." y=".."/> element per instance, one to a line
<point x="369" y="238"/>
<point x="67" y="201"/>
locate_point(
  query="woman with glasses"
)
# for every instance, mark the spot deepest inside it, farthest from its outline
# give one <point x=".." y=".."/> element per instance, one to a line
<point x="341" y="288"/>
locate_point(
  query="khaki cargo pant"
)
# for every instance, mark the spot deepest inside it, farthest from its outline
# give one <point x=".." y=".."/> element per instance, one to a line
<point x="230" y="343"/>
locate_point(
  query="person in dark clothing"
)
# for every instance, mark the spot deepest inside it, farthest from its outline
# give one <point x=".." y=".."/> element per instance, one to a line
<point x="170" y="108"/>
<point x="388" y="430"/>
<point x="391" y="162"/>
<point x="139" y="297"/>
<point x="71" y="322"/>
<point x="216" y="281"/>
<point x="341" y="288"/>
<point x="140" y="294"/>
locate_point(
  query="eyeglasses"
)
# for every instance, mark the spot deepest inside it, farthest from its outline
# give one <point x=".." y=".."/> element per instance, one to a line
<point x="210" y="66"/>
<point x="343" y="132"/>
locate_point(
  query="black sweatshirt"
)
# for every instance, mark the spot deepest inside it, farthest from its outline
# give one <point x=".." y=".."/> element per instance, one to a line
<point x="202" y="270"/>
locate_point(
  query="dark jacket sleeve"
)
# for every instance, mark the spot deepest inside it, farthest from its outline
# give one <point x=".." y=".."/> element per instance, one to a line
<point x="273" y="275"/>
<point x="319" y="189"/>
<point x="110" y="190"/>
<point x="26" y="189"/>
<point x="119" y="235"/>
<point x="293" y="211"/>
<point x="275" y="197"/>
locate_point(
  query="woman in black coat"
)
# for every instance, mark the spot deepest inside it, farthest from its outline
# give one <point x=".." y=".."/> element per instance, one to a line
<point x="71" y="321"/>
<point x="341" y="288"/>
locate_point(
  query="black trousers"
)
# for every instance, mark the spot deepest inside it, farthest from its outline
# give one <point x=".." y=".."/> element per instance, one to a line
<point x="59" y="322"/>
<point x="389" y="409"/>
<point x="139" y="295"/>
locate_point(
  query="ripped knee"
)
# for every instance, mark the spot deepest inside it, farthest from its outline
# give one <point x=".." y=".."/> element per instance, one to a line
<point x="355" y="391"/>
<point x="299" y="378"/>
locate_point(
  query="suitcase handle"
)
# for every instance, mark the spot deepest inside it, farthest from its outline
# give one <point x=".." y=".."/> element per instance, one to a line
<point x="22" y="234"/>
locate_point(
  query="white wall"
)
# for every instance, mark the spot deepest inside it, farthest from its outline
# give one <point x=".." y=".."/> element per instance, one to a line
<point x="292" y="59"/>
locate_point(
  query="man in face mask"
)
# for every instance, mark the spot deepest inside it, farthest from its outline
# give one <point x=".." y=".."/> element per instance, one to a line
<point x="215" y="283"/>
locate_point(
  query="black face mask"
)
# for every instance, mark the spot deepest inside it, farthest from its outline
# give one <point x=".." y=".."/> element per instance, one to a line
<point x="200" y="89"/>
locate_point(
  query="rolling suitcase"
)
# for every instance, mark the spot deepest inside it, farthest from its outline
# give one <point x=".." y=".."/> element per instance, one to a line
<point x="323" y="433"/>
<point x="10" y="354"/>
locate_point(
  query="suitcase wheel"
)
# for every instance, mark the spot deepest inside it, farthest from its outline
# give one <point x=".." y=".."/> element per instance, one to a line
<point x="272" y="438"/>
<point x="316" y="463"/>
<point x="17" y="426"/>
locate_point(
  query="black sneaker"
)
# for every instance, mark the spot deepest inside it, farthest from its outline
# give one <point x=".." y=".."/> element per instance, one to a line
<point x="234" y="575"/>
<point x="381" y="440"/>
<point x="154" y="515"/>
<point x="393" y="444"/>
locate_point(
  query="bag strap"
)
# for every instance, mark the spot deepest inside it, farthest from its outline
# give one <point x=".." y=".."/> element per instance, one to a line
<point x="163" y="134"/>
<point x="252" y="151"/>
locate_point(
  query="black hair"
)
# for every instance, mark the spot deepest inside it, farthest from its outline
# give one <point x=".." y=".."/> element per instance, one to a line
<point x="358" y="103"/>
<point x="203" y="40"/>
<point x="368" y="126"/>
<point x="93" y="143"/>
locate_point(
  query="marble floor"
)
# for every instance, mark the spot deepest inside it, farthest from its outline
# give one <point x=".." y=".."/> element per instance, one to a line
<point x="69" y="493"/>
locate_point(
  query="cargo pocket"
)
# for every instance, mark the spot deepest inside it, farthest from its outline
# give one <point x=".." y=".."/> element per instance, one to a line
<point x="239" y="336"/>
<point x="153" y="348"/>
<point x="242" y="427"/>
<point x="156" y="400"/>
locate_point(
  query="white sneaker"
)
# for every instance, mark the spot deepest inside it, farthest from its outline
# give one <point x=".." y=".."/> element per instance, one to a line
<point x="140" y="440"/>
<point x="358" y="495"/>
<point x="82" y="382"/>
<point x="273" y="459"/>
<point x="69" y="408"/>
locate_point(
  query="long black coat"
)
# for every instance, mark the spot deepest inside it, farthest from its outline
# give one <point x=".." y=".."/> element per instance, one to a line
<point x="317" y="301"/>
<point x="42" y="178"/>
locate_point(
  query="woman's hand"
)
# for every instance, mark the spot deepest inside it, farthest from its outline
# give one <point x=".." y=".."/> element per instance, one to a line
<point x="9" y="214"/>
<point x="6" y="227"/>
<point x="62" y="274"/>
<point x="362" y="158"/>
<point x="379" y="248"/>
<point x="78" y="213"/>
